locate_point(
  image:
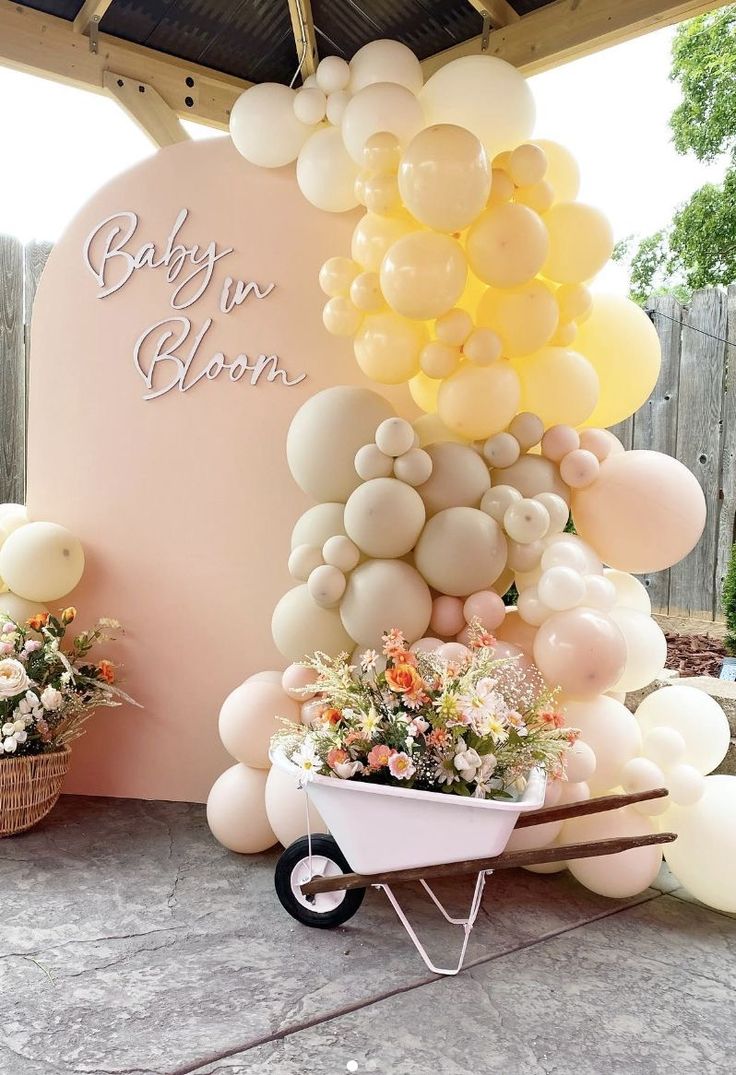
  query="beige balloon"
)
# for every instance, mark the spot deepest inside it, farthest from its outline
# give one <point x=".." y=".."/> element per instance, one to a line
<point x="300" y="627"/>
<point x="373" y="236"/>
<point x="461" y="551"/>
<point x="459" y="478"/>
<point x="532" y="475"/>
<point x="317" y="524"/>
<point x="559" y="385"/>
<point x="616" y="876"/>
<point x="383" y="594"/>
<point x="478" y="401"/>
<point x="384" y="517"/>
<point x="445" y="177"/>
<point x="236" y="810"/>
<point x="324" y="435"/>
<point x="41" y="561"/>
<point x="507" y="245"/>
<point x="414" y="467"/>
<point x="287" y="807"/>
<point x="525" y="317"/>
<point x="611" y="732"/>
<point x="384" y="60"/>
<point x="423" y="275"/>
<point x="18" y="608"/>
<point x="580" y="242"/>
<point x="250" y="716"/>
<point x="388" y="346"/>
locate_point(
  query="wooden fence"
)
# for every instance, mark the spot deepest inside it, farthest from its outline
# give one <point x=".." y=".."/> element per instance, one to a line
<point x="20" y="271"/>
<point x="690" y="415"/>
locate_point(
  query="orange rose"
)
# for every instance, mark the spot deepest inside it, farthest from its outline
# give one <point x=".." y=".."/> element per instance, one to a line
<point x="331" y="716"/>
<point x="107" y="671"/>
<point x="38" y="621"/>
<point x="68" y="614"/>
<point x="402" y="678"/>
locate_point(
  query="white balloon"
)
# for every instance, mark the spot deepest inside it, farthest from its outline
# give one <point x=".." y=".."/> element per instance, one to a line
<point x="610" y="731"/>
<point x="665" y="747"/>
<point x="333" y="74"/>
<point x="561" y="588"/>
<point x="11" y="517"/>
<point x="580" y="762"/>
<point x="630" y="593"/>
<point x="337" y="102"/>
<point x="616" y="876"/>
<point x="371" y="462"/>
<point x="641" y="774"/>
<point x="696" y="716"/>
<point x="326" y="585"/>
<point x="264" y="128"/>
<point x="384" y="60"/>
<point x="568" y="550"/>
<point x="646" y="648"/>
<point x="381" y="106"/>
<point x="309" y="105"/>
<point x="703" y="857"/>
<point x="599" y="592"/>
<point x="287" y="804"/>
<point x="303" y="560"/>
<point x="41" y="561"/>
<point x="557" y="509"/>
<point x="341" y="552"/>
<point x="382" y="594"/>
<point x="236" y="810"/>
<point x="317" y="524"/>
<point x="384" y="517"/>
<point x="531" y="609"/>
<point x="300" y="627"/>
<point x="325" y="173"/>
<point x="686" y="785"/>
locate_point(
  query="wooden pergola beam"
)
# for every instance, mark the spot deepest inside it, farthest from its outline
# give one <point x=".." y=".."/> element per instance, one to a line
<point x="147" y="108"/>
<point x="568" y="29"/>
<point x="305" y="39"/>
<point x="47" y="46"/>
<point x="500" y="12"/>
<point x="90" y="12"/>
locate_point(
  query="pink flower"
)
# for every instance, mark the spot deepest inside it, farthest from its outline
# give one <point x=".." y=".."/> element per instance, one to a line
<point x="8" y="628"/>
<point x="379" y="756"/>
<point x="31" y="645"/>
<point x="337" y="757"/>
<point x="417" y="726"/>
<point x="401" y="766"/>
<point x="5" y="647"/>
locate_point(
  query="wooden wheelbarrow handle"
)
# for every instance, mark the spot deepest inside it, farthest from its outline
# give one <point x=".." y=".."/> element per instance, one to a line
<point x="505" y="861"/>
<point x="589" y="806"/>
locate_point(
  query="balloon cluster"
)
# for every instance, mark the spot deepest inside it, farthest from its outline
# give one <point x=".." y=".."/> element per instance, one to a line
<point x="39" y="563"/>
<point x="468" y="280"/>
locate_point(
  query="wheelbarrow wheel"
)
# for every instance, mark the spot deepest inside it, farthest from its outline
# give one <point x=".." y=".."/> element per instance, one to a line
<point x="324" y="910"/>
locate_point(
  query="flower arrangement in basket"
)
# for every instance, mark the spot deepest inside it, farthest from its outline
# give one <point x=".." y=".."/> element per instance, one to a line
<point x="474" y="726"/>
<point x="47" y="693"/>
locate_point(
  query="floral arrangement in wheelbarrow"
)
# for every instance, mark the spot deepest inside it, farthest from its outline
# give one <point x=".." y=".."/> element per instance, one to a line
<point x="422" y="766"/>
<point x="48" y="691"/>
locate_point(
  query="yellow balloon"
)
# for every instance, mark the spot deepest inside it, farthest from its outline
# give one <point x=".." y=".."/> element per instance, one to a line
<point x="478" y="401"/>
<point x="373" y="236"/>
<point x="562" y="174"/>
<point x="580" y="242"/>
<point x="575" y="302"/>
<point x="387" y="347"/>
<point x="424" y="391"/>
<point x="525" y="318"/>
<point x="538" y="197"/>
<point x="621" y="343"/>
<point x="507" y="245"/>
<point x="445" y="177"/>
<point x="474" y="291"/>
<point x="558" y="385"/>
<point x="431" y="430"/>
<point x="527" y="164"/>
<point x="423" y="275"/>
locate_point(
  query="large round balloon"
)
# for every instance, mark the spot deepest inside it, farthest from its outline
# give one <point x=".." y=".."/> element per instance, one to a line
<point x="18" y="609"/>
<point x="646" y="648"/>
<point x="484" y="94"/>
<point x="384" y="517"/>
<point x="461" y="550"/>
<point x="387" y="347"/>
<point x="374" y="235"/>
<point x="696" y="716"/>
<point x="318" y="524"/>
<point x="423" y="275"/>
<point x="384" y="60"/>
<point x="478" y="401"/>
<point x="507" y="245"/>
<point x="611" y="732"/>
<point x="287" y="806"/>
<point x="236" y="810"/>
<point x="325" y="172"/>
<point x="703" y="857"/>
<point x="622" y="344"/>
<point x="616" y="876"/>
<point x="264" y="128"/>
<point x="459" y="478"/>
<point x="382" y="594"/>
<point x="300" y="626"/>
<point x="581" y="650"/>
<point x="41" y="561"/>
<point x="324" y="435"/>
<point x="444" y="177"/>
<point x="580" y="242"/>
<point x="643" y="513"/>
<point x="250" y="716"/>
<point x="558" y="385"/>
<point x="382" y="106"/>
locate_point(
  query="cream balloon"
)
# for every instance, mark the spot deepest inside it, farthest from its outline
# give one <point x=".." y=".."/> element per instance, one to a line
<point x="581" y="650"/>
<point x="445" y="177"/>
<point x="485" y="95"/>
<point x="317" y="524"/>
<point x="696" y="716"/>
<point x="250" y="716"/>
<point x="371" y="462"/>
<point x="373" y="236"/>
<point x="580" y="762"/>
<point x="527" y="164"/>
<point x="384" y="517"/>
<point x="395" y="436"/>
<point x="501" y="450"/>
<point x="478" y="401"/>
<point x="287" y="807"/>
<point x="525" y="318"/>
<point x="562" y="172"/>
<point x="336" y="276"/>
<point x="611" y="732"/>
<point x="454" y="327"/>
<point x="378" y="107"/>
<point x="646" y="648"/>
<point x="299" y="682"/>
<point x="703" y="857"/>
<point x="644" y="513"/>
<point x="569" y="551"/>
<point x="236" y="811"/>
<point x="561" y="588"/>
<point x="333" y="74"/>
<point x="263" y="126"/>
<point x="459" y="478"/>
<point x="365" y="293"/>
<point x="18" y="609"/>
<point x="41" y="561"/>
<point x="580" y="242"/>
<point x="616" y="876"/>
<point x="324" y="435"/>
<point x="579" y="469"/>
<point x="387" y="347"/>
<point x="439" y="359"/>
<point x="383" y="594"/>
<point x="641" y="774"/>
<point x="385" y="60"/>
<point x="630" y="592"/>
<point x="423" y="275"/>
<point x="340" y="552"/>
<point x="326" y="585"/>
<point x="497" y="500"/>
<point x="303" y="559"/>
<point x="686" y="785"/>
<point x="559" y="385"/>
<point x="340" y="317"/>
<point x="461" y="550"/>
<point x="299" y="626"/>
<point x="507" y="245"/>
<point x="532" y="475"/>
<point x="310" y="103"/>
<point x="414" y="468"/>
<point x="525" y="521"/>
<point x="325" y="172"/>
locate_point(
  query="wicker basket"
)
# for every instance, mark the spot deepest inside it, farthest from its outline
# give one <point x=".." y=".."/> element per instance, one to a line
<point x="29" y="788"/>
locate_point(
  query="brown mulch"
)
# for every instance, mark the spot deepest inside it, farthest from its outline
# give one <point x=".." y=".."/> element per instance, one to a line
<point x="695" y="655"/>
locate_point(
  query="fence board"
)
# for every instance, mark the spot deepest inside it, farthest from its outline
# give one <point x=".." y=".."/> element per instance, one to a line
<point x="12" y="373"/>
<point x="727" y="514"/>
<point x="702" y="366"/>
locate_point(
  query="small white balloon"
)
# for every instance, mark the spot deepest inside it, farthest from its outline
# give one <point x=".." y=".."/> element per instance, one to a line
<point x="414" y="467"/>
<point x="686" y="785"/>
<point x="641" y="774"/>
<point x="309" y="105"/>
<point x="382" y="106"/>
<point x="561" y="588"/>
<point x="371" y="462"/>
<point x="531" y="609"/>
<point x="526" y="520"/>
<point x="326" y="585"/>
<point x="339" y="551"/>
<point x="395" y="436"/>
<point x="497" y="500"/>
<point x="665" y="747"/>
<point x="599" y="592"/>
<point x="333" y="74"/>
<point x="559" y="511"/>
<point x="336" y="104"/>
<point x="568" y="550"/>
<point x="303" y="560"/>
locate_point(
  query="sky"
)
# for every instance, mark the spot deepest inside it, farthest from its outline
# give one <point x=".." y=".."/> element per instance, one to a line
<point x="60" y="144"/>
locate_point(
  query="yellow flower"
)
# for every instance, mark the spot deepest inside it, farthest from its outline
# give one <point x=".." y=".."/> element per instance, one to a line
<point x="68" y="614"/>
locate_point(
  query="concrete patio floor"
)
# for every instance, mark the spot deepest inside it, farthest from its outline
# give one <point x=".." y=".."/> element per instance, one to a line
<point x="133" y="944"/>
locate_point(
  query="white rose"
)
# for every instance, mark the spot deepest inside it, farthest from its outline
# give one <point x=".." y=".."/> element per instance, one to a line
<point x="51" y="698"/>
<point x="13" y="678"/>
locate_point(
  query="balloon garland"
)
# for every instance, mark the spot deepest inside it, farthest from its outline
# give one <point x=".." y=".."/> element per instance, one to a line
<point x="467" y="280"/>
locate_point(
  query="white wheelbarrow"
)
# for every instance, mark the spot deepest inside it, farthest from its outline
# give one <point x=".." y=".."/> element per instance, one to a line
<point x="380" y="835"/>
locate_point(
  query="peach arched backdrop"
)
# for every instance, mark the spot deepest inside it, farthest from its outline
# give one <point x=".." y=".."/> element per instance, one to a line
<point x="183" y="502"/>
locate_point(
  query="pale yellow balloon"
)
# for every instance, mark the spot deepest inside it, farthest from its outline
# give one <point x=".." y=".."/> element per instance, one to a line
<point x="575" y="302"/>
<point x="340" y="317"/>
<point x="381" y="194"/>
<point x="439" y="359"/>
<point x="507" y="245"/>
<point x="366" y="294"/>
<point x="622" y="344"/>
<point x="431" y="430"/>
<point x="559" y="385"/>
<point x="423" y="275"/>
<point x="525" y="318"/>
<point x="502" y="187"/>
<point x="336" y="276"/>
<point x="473" y="293"/>
<point x="478" y="401"/>
<point x="372" y="237"/>
<point x="580" y="242"/>
<point x="562" y="174"/>
<point x="527" y="164"/>
<point x="444" y="177"/>
<point x="539" y="196"/>
<point x="454" y="327"/>
<point x="41" y="561"/>
<point x="387" y="347"/>
<point x="424" y="391"/>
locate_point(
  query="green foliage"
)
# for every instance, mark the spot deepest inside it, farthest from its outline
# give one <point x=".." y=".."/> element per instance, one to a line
<point x="704" y="65"/>
<point x="729" y="603"/>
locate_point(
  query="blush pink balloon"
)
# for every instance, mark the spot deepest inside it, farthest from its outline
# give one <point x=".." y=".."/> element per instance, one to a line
<point x="297" y="679"/>
<point x="558" y="441"/>
<point x="487" y="607"/>
<point x="453" y="651"/>
<point x="516" y="631"/>
<point x="643" y="513"/>
<point x="311" y="710"/>
<point x="447" y="615"/>
<point x="579" y="468"/>
<point x="580" y="650"/>
<point x="597" y="441"/>
<point x="425" y="645"/>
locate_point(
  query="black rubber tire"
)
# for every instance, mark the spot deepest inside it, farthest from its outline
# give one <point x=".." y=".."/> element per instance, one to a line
<point x="324" y="845"/>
